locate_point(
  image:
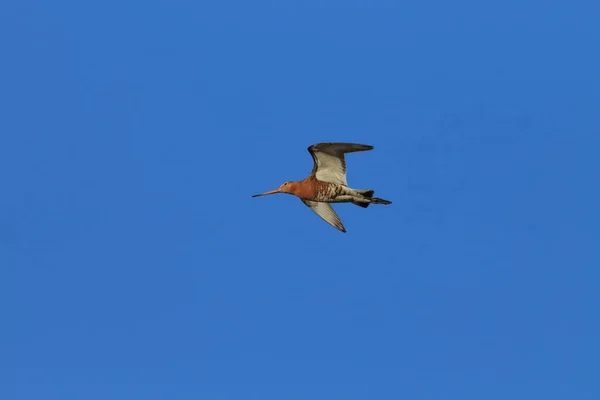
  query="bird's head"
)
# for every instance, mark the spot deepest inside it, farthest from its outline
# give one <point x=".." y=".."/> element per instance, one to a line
<point x="286" y="187"/>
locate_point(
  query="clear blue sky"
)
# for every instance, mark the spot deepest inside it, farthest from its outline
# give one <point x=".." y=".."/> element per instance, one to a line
<point x="135" y="265"/>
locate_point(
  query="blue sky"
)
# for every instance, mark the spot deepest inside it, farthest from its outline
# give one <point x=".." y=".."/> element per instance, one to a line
<point x="134" y="264"/>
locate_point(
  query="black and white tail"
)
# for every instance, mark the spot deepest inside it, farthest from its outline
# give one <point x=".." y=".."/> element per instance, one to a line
<point x="368" y="195"/>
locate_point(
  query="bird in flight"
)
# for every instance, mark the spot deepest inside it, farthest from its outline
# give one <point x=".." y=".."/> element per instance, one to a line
<point x="327" y="183"/>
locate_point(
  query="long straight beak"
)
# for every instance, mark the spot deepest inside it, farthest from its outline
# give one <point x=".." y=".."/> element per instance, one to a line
<point x="267" y="193"/>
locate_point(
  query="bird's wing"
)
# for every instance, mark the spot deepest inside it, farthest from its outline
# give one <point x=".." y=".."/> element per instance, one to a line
<point x="329" y="162"/>
<point x="325" y="211"/>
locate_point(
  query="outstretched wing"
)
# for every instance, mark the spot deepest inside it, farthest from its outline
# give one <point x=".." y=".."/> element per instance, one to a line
<point x="325" y="211"/>
<point x="329" y="162"/>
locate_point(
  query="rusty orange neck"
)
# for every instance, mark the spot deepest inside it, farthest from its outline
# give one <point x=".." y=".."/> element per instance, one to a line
<point x="304" y="189"/>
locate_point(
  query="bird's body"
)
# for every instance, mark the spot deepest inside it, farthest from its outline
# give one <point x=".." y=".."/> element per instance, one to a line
<point x="327" y="182"/>
<point x="310" y="188"/>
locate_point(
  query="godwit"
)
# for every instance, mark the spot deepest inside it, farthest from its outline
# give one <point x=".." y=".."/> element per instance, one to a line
<point x="327" y="183"/>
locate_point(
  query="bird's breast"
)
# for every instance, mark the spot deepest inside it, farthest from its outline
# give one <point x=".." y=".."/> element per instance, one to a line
<point x="306" y="189"/>
<point x="325" y="191"/>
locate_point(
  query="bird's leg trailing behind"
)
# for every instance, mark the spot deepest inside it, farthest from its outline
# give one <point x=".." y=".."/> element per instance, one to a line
<point x="366" y="198"/>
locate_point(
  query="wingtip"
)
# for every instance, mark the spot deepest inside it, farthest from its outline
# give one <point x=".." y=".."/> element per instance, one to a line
<point x="349" y="147"/>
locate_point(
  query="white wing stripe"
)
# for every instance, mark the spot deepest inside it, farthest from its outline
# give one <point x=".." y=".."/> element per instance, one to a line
<point x="331" y="168"/>
<point x="330" y="163"/>
<point x="326" y="212"/>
